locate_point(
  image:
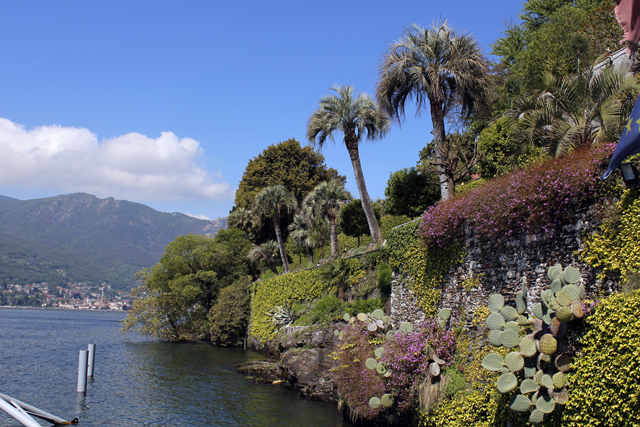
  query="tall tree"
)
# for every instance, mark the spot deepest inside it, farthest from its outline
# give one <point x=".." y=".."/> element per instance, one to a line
<point x="274" y="202"/>
<point x="325" y="200"/>
<point x="353" y="220"/>
<point x="301" y="231"/>
<point x="409" y="192"/>
<point x="357" y="117"/>
<point x="298" y="168"/>
<point x="265" y="251"/>
<point x="440" y="70"/>
<point x="564" y="112"/>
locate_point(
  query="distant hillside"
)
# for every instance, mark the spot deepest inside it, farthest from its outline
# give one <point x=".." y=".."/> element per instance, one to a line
<point x="81" y="238"/>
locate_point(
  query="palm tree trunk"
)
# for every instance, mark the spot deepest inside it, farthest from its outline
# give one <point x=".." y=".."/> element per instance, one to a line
<point x="447" y="188"/>
<point x="374" y="228"/>
<point x="333" y="234"/>
<point x="283" y="255"/>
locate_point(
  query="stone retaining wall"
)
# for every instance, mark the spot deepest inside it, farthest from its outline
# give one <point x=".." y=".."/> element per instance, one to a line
<point x="503" y="269"/>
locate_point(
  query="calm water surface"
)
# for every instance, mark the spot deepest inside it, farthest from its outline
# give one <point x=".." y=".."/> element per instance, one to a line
<point x="137" y="382"/>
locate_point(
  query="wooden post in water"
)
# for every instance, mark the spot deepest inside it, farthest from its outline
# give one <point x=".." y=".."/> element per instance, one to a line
<point x="92" y="360"/>
<point x="82" y="371"/>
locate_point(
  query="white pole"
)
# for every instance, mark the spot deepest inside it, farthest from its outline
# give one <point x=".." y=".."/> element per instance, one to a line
<point x="35" y="411"/>
<point x="82" y="371"/>
<point x="92" y="360"/>
<point x="23" y="418"/>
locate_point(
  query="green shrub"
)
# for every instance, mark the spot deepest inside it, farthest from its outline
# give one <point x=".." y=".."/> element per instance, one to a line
<point x="229" y="316"/>
<point x="605" y="385"/>
<point x="390" y="221"/>
<point x="324" y="311"/>
<point x="363" y="306"/>
<point x="384" y="280"/>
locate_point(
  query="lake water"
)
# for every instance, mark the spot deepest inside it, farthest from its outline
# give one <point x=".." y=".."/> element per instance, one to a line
<point x="138" y="382"/>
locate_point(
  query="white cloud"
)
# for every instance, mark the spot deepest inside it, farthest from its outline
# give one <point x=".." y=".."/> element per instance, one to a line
<point x="131" y="166"/>
<point x="198" y="216"/>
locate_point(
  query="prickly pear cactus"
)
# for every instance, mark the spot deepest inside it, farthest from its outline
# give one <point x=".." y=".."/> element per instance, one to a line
<point x="534" y="364"/>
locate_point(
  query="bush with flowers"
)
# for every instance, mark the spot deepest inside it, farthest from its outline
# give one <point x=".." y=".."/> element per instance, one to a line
<point x="532" y="200"/>
<point x="403" y="364"/>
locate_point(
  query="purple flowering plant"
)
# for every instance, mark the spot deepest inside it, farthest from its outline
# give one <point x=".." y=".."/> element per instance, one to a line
<point x="405" y="357"/>
<point x="532" y="200"/>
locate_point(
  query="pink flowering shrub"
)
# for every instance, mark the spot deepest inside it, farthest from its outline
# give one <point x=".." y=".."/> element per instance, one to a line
<point x="405" y="357"/>
<point x="408" y="362"/>
<point x="531" y="200"/>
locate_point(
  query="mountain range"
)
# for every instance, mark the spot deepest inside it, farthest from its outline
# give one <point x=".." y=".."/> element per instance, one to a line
<point x="80" y="238"/>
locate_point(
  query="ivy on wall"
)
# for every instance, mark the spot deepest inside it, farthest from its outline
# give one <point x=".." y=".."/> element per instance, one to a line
<point x="617" y="248"/>
<point x="426" y="266"/>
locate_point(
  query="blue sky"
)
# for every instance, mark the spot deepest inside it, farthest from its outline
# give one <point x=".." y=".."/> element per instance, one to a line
<point x="165" y="102"/>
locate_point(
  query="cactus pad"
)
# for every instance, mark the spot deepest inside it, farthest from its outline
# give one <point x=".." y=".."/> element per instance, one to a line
<point x="387" y="400"/>
<point x="544" y="358"/>
<point x="406" y="327"/>
<point x="521" y="302"/>
<point x="573" y="291"/>
<point x="529" y="386"/>
<point x="507" y="382"/>
<point x="346" y="317"/>
<point x="378" y="351"/>
<point x="545" y="404"/>
<point x="381" y="369"/>
<point x="512" y="326"/>
<point x="548" y="344"/>
<point x="554" y="305"/>
<point x="554" y="271"/>
<point x="372" y="326"/>
<point x="547" y="296"/>
<point x="494" y="321"/>
<point x="374" y="402"/>
<point x="536" y="417"/>
<point x="571" y="275"/>
<point x="509" y="313"/>
<point x="377" y="314"/>
<point x="494" y="338"/>
<point x="514" y="361"/>
<point x="445" y="314"/>
<point x="547" y="318"/>
<point x="563" y="298"/>
<point x="362" y="317"/>
<point x="509" y="338"/>
<point x="528" y="346"/>
<point x="556" y="286"/>
<point x="493" y="362"/>
<point x="559" y="380"/>
<point x="558" y="328"/>
<point x="564" y="314"/>
<point x="371" y="363"/>
<point x="561" y="397"/>
<point x="546" y="381"/>
<point x="434" y="369"/>
<point x="529" y="370"/>
<point x="563" y="363"/>
<point x="537" y="311"/>
<point x="495" y="303"/>
<point x="524" y="321"/>
<point x="520" y="403"/>
<point x="577" y="309"/>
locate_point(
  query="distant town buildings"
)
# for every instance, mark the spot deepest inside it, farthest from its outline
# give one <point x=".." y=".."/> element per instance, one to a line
<point x="77" y="296"/>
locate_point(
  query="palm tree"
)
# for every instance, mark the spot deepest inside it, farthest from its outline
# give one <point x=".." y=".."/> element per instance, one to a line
<point x="273" y="202"/>
<point x="300" y="230"/>
<point x="357" y="118"/>
<point x="325" y="201"/>
<point x="242" y="219"/>
<point x="266" y="251"/>
<point x="440" y="70"/>
<point x="563" y="112"/>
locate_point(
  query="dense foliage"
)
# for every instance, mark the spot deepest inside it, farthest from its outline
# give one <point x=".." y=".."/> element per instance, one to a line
<point x="605" y="383"/>
<point x="229" y="316"/>
<point x="409" y="192"/>
<point x="532" y="200"/>
<point x="616" y="248"/>
<point x="177" y="294"/>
